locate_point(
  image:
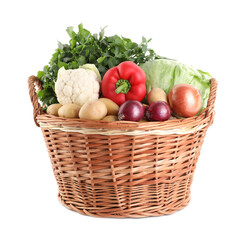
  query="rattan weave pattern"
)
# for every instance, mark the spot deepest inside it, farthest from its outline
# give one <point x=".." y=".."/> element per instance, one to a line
<point x="123" y="175"/>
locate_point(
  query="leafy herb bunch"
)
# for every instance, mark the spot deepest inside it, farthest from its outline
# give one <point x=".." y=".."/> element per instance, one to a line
<point x="84" y="47"/>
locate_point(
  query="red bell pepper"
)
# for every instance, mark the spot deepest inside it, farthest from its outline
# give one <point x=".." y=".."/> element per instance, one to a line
<point x="124" y="82"/>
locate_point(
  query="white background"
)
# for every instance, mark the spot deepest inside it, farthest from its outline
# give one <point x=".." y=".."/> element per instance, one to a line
<point x="206" y="34"/>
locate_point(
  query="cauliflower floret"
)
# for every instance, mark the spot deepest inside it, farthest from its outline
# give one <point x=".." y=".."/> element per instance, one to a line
<point x="77" y="86"/>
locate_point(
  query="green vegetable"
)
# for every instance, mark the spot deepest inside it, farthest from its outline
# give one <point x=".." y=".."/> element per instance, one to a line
<point x="165" y="73"/>
<point x="92" y="67"/>
<point x="84" y="47"/>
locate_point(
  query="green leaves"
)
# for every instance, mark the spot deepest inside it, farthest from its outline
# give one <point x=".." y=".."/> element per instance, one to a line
<point x="103" y="51"/>
<point x="70" y="32"/>
<point x="80" y="27"/>
<point x="81" y="60"/>
<point x="100" y="59"/>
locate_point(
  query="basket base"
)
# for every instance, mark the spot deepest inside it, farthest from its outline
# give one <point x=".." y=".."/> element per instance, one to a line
<point x="124" y="214"/>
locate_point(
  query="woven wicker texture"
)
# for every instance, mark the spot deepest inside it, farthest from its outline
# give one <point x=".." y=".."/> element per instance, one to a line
<point x="126" y="175"/>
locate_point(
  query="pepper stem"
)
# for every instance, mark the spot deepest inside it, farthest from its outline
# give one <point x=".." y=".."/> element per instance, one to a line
<point x="122" y="86"/>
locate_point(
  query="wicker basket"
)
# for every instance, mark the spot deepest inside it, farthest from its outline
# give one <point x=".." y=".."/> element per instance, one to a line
<point x="123" y="169"/>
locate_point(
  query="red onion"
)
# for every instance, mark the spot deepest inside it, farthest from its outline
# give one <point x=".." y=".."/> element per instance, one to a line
<point x="158" y="111"/>
<point x="131" y="110"/>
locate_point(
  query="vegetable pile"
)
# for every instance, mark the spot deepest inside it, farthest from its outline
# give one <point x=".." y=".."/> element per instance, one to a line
<point x="84" y="47"/>
<point x="96" y="77"/>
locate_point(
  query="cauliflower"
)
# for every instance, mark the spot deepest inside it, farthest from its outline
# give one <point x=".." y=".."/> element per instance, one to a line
<point x="77" y="86"/>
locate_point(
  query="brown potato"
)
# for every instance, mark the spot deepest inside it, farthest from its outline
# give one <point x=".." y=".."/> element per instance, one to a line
<point x="93" y="110"/>
<point x="156" y="94"/>
<point x="110" y="118"/>
<point x="69" y="110"/>
<point x="53" y="109"/>
<point x="112" y="108"/>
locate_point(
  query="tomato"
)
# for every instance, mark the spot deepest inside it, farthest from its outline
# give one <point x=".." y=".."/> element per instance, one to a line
<point x="185" y="100"/>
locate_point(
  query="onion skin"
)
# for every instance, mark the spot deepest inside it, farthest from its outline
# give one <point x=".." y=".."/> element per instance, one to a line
<point x="131" y="110"/>
<point x="158" y="111"/>
<point x="185" y="100"/>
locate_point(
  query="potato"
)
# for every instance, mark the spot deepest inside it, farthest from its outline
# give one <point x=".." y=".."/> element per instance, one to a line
<point x="69" y="110"/>
<point x="110" y="118"/>
<point x="156" y="94"/>
<point x="112" y="108"/>
<point x="93" y="110"/>
<point x="53" y="109"/>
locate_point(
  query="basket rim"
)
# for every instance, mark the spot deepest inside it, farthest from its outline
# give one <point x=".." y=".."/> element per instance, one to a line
<point x="205" y="117"/>
<point x="46" y="119"/>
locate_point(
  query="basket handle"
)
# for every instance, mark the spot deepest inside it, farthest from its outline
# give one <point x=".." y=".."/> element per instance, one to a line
<point x="212" y="97"/>
<point x="32" y="83"/>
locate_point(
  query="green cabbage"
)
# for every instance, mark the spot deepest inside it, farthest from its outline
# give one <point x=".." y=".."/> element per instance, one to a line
<point x="165" y="73"/>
